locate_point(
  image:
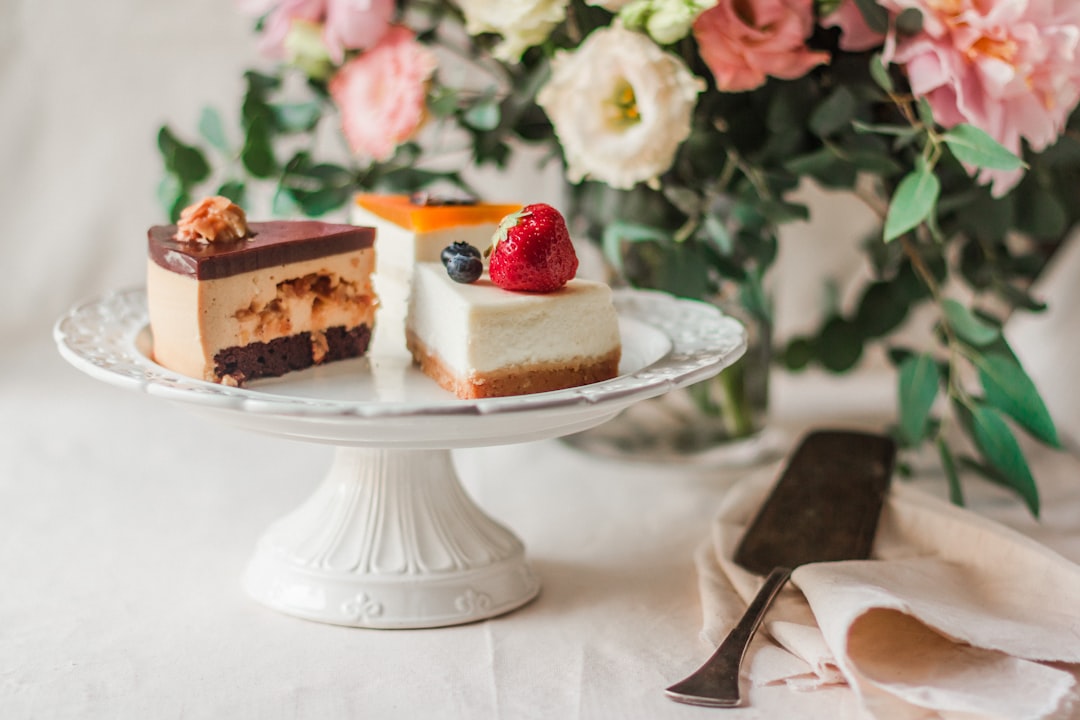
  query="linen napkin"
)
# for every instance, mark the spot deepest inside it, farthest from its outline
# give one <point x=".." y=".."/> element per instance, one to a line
<point x="956" y="616"/>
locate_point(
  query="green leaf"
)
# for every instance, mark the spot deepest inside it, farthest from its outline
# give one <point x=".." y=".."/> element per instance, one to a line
<point x="969" y="327"/>
<point x="618" y="233"/>
<point x="234" y="190"/>
<point x="882" y="307"/>
<point x="484" y="115"/>
<point x="1009" y="389"/>
<point x="880" y="73"/>
<point x="948" y="464"/>
<point x="184" y="161"/>
<point x="919" y="380"/>
<point x="998" y="446"/>
<point x="443" y="101"/>
<point x="834" y="113"/>
<point x="257" y="154"/>
<point x="798" y="353"/>
<point x="296" y="117"/>
<point x="912" y="202"/>
<point x="213" y="130"/>
<point x="839" y="346"/>
<point x="973" y="146"/>
<point x="876" y="17"/>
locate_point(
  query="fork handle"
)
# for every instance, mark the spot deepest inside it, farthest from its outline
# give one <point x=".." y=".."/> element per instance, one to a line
<point x="716" y="683"/>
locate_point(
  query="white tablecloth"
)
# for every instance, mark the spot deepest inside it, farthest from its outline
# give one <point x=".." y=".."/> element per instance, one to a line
<point x="126" y="522"/>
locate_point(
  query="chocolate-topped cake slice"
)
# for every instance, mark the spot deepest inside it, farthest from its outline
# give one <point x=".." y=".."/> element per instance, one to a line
<point x="231" y="301"/>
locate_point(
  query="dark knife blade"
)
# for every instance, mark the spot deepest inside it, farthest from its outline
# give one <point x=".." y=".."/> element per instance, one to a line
<point x="826" y="504"/>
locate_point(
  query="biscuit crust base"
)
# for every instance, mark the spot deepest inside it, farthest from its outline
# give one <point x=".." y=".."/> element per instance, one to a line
<point x="517" y="380"/>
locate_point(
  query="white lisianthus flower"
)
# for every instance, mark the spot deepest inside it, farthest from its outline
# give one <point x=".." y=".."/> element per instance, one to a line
<point x="620" y="106"/>
<point x="521" y="23"/>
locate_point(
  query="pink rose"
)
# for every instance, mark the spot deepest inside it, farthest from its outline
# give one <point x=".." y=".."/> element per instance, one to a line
<point x="745" y="41"/>
<point x="355" y="25"/>
<point x="346" y="24"/>
<point x="381" y="93"/>
<point x="855" y="34"/>
<point x="1010" y="68"/>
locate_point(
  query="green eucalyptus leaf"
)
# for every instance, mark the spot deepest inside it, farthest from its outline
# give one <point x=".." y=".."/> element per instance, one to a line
<point x="235" y="190"/>
<point x="184" y="161"/>
<point x="839" y="346"/>
<point x="798" y="353"/>
<point x="880" y="73"/>
<point x="295" y="117"/>
<point x="912" y="202"/>
<point x="882" y="308"/>
<point x="835" y="113"/>
<point x="881" y="129"/>
<point x="876" y="17"/>
<point x="973" y="146"/>
<point x="212" y="129"/>
<point x="926" y="113"/>
<point x="443" y="101"/>
<point x="948" y="465"/>
<point x="968" y="327"/>
<point x="918" y="388"/>
<point x="1010" y="390"/>
<point x="618" y="233"/>
<point x="909" y="22"/>
<point x="483" y="115"/>
<point x="257" y="155"/>
<point x="999" y="447"/>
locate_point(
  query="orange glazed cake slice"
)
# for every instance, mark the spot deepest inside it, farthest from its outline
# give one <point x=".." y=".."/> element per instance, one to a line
<point x="231" y="302"/>
<point x="478" y="340"/>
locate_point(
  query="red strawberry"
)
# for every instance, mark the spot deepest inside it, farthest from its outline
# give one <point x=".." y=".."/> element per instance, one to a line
<point x="533" y="251"/>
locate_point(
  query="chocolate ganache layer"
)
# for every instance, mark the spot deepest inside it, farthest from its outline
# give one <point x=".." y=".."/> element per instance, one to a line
<point x="271" y="243"/>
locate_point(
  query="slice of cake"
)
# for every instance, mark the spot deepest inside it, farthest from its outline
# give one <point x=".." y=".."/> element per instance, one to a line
<point x="231" y="302"/>
<point x="477" y="340"/>
<point x="528" y="327"/>
<point x="413" y="229"/>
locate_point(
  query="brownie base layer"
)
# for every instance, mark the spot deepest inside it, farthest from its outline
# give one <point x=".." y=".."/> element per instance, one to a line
<point x="516" y="380"/>
<point x="282" y="355"/>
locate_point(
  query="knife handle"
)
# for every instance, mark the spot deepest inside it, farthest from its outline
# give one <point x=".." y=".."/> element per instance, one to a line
<point x="716" y="683"/>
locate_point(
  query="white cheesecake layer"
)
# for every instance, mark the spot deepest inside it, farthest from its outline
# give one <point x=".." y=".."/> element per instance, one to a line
<point x="479" y="327"/>
<point x="193" y="320"/>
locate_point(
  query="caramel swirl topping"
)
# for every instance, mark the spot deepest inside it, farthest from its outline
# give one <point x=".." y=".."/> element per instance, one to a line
<point x="212" y="220"/>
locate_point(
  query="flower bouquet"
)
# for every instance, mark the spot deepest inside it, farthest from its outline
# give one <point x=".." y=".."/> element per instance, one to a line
<point x="684" y="128"/>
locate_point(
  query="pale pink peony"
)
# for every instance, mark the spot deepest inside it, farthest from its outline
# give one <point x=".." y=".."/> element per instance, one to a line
<point x="381" y="93"/>
<point x="1010" y="68"/>
<point x="347" y="24"/>
<point x="855" y="34"/>
<point x="745" y="41"/>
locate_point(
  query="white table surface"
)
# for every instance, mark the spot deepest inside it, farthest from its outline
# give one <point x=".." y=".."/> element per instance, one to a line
<point x="126" y="522"/>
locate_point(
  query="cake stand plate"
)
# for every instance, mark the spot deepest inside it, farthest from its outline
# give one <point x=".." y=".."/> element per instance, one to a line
<point x="390" y="539"/>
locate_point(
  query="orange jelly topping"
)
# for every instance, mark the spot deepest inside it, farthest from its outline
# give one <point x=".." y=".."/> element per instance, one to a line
<point x="400" y="210"/>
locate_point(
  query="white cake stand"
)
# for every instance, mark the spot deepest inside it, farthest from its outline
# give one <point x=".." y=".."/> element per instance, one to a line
<point x="390" y="539"/>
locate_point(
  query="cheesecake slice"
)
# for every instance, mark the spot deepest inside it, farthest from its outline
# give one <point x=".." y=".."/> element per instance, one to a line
<point x="284" y="296"/>
<point x="477" y="340"/>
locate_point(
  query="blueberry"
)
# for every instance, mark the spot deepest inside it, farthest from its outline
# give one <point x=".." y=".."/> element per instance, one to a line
<point x="465" y="268"/>
<point x="455" y="249"/>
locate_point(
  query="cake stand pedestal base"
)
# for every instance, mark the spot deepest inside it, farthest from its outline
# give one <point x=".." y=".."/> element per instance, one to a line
<point x="390" y="540"/>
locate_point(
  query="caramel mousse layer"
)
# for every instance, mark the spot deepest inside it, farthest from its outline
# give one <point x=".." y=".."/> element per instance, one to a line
<point x="256" y="306"/>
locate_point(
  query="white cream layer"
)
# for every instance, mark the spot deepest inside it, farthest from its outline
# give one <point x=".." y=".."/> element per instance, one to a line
<point x="480" y="327"/>
<point x="193" y="320"/>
